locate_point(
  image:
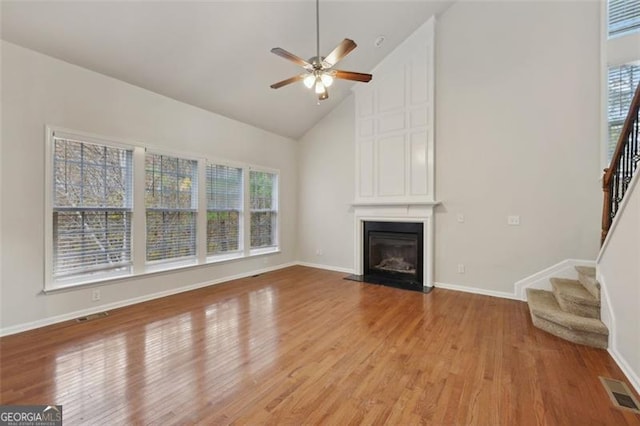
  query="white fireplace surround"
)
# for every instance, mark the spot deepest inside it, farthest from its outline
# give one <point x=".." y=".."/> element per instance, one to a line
<point x="416" y="213"/>
<point x="394" y="144"/>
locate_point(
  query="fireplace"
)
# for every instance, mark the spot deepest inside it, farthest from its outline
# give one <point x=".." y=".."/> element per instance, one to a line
<point x="393" y="254"/>
<point x="406" y="223"/>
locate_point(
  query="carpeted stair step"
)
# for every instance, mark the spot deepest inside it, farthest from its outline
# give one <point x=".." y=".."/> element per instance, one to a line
<point x="574" y="298"/>
<point x="547" y="315"/>
<point x="587" y="277"/>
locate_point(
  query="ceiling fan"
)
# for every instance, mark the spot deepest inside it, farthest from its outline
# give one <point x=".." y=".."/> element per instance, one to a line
<point x="319" y="72"/>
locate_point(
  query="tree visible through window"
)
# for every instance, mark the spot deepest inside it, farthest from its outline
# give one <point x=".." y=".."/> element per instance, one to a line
<point x="264" y="209"/>
<point x="91" y="207"/>
<point x="91" y="227"/>
<point x="171" y="200"/>
<point x="224" y="203"/>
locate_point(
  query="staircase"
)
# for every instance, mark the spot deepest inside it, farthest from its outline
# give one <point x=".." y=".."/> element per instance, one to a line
<point x="572" y="310"/>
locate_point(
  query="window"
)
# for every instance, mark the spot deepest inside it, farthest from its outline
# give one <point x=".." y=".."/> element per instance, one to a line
<point x="171" y="188"/>
<point x="622" y="83"/>
<point x="263" y="197"/>
<point x="224" y="205"/>
<point x="623" y="64"/>
<point x="624" y="17"/>
<point x="116" y="210"/>
<point x="92" y="207"/>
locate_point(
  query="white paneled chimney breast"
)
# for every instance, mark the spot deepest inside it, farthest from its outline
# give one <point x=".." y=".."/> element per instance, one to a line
<point x="395" y="144"/>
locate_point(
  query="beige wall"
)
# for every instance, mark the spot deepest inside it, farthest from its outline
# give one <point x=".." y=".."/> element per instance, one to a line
<point x="517" y="133"/>
<point x="517" y="113"/>
<point x="39" y="90"/>
<point x="619" y="274"/>
<point x="326" y="188"/>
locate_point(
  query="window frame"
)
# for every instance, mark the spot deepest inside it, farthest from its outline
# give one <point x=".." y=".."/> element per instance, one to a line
<point x="240" y="252"/>
<point x="619" y="121"/>
<point x="615" y="50"/>
<point x="160" y="264"/>
<point x="139" y="266"/>
<point x="50" y="281"/>
<point x="274" y="248"/>
<point x="622" y="30"/>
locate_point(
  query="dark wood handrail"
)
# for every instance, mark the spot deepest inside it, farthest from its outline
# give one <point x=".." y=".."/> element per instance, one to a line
<point x="623" y="165"/>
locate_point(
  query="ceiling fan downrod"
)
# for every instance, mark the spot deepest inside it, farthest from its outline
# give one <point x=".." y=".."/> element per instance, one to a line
<point x="318" y="32"/>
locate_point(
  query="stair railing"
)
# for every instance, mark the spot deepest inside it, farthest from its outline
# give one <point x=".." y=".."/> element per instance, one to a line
<point x="624" y="163"/>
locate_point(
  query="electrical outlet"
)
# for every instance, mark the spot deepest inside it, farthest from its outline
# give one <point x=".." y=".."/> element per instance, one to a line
<point x="95" y="295"/>
<point x="460" y="268"/>
<point x="460" y="218"/>
<point x="513" y="220"/>
<point x="319" y="252"/>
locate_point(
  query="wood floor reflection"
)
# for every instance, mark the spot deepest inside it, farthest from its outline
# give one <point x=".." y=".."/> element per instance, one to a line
<point x="304" y="346"/>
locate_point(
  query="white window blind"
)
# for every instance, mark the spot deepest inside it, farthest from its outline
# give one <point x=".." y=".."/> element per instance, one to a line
<point x="622" y="83"/>
<point x="171" y="188"/>
<point x="624" y="16"/>
<point x="91" y="207"/>
<point x="264" y="208"/>
<point x="224" y="205"/>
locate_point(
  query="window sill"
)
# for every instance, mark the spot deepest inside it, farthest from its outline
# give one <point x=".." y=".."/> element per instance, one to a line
<point x="264" y="250"/>
<point x="152" y="269"/>
<point x="66" y="284"/>
<point x="160" y="266"/>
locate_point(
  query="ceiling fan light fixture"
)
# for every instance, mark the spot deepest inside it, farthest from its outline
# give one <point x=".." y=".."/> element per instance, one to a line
<point x="320" y="87"/>
<point x="309" y="81"/>
<point x="327" y="79"/>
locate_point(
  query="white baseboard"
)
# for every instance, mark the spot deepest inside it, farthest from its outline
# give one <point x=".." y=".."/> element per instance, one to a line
<point x="76" y="314"/>
<point x="326" y="267"/>
<point x="608" y="317"/>
<point x="626" y="369"/>
<point x="606" y="311"/>
<point x="476" y="290"/>
<point x="540" y="280"/>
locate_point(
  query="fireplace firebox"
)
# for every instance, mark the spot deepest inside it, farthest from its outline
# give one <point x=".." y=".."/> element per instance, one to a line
<point x="393" y="254"/>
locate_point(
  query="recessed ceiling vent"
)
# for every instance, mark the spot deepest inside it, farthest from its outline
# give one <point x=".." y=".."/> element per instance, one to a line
<point x="92" y="317"/>
<point x="620" y="394"/>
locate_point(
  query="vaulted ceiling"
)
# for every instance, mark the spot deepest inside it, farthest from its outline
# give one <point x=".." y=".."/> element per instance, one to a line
<point x="216" y="55"/>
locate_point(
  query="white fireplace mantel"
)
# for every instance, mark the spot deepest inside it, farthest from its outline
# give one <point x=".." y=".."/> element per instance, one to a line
<point x="380" y="204"/>
<point x="416" y="213"/>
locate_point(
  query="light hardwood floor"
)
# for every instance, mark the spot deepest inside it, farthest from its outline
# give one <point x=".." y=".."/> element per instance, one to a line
<point x="304" y="346"/>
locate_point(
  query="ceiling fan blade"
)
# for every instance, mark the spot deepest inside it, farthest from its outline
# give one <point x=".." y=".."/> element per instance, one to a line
<point x="290" y="56"/>
<point x="341" y="50"/>
<point x="287" y="81"/>
<point x="350" y="75"/>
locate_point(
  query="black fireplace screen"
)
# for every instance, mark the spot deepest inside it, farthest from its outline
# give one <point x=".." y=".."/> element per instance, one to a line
<point x="394" y="250"/>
